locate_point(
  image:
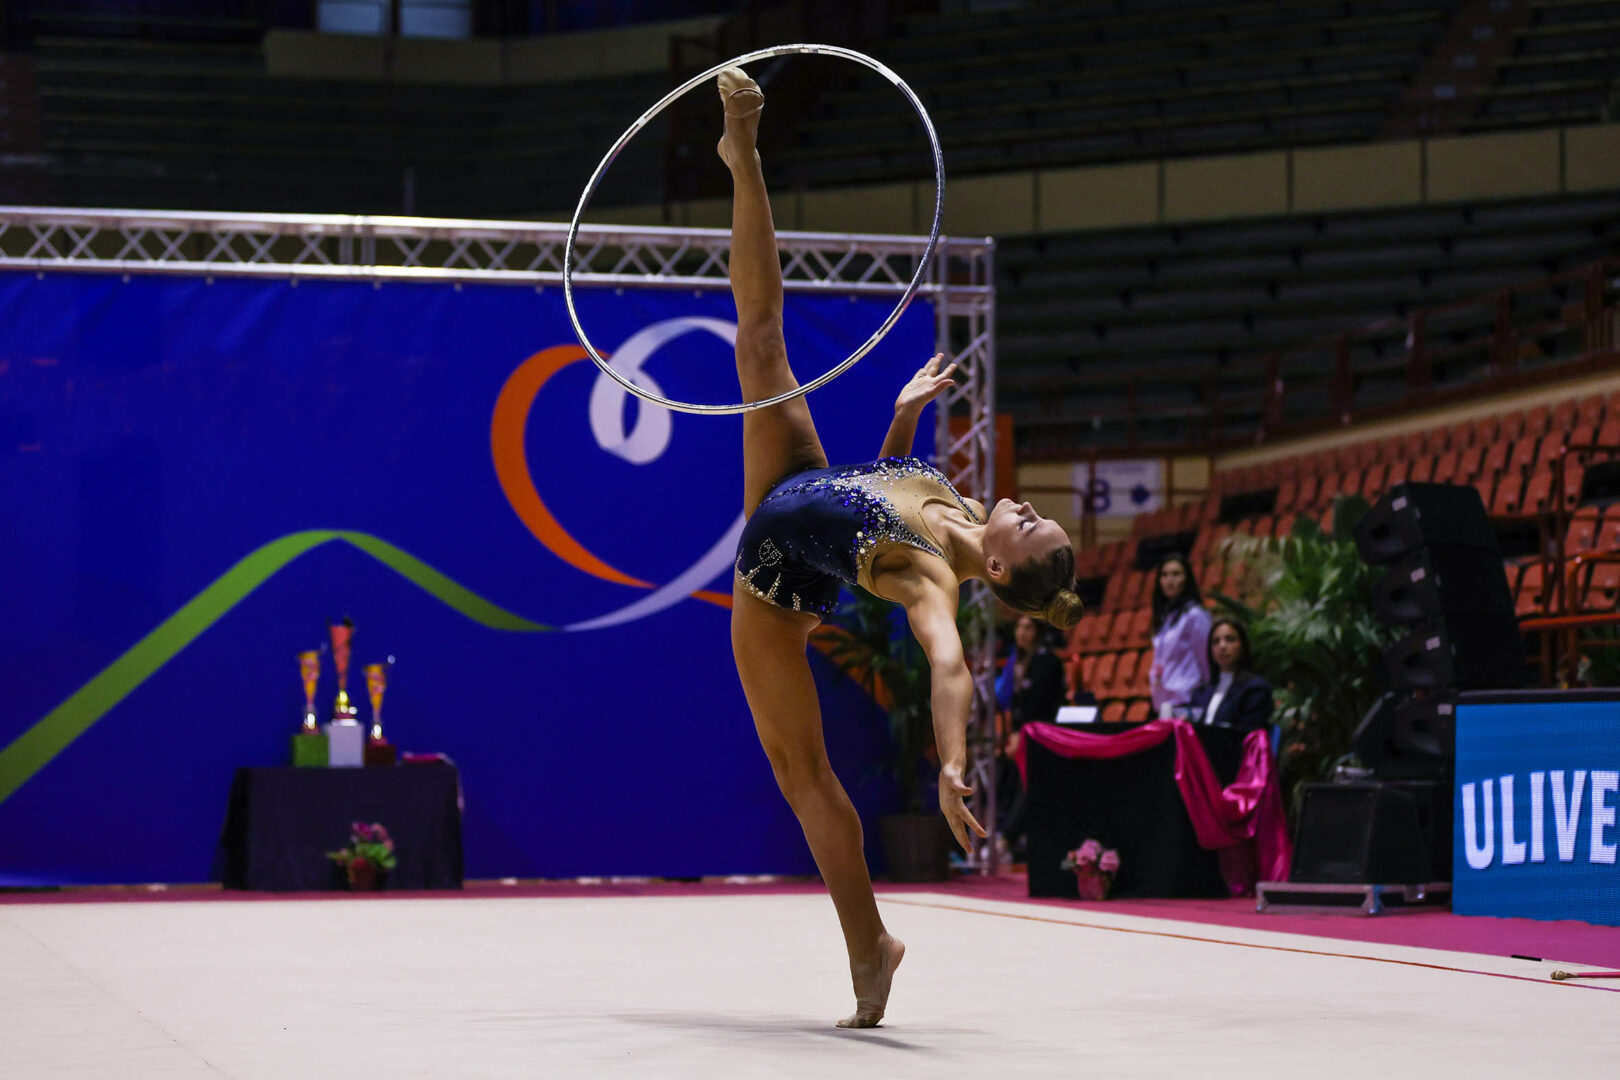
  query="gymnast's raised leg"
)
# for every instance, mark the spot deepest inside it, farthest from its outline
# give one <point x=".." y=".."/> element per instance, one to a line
<point x="770" y="642"/>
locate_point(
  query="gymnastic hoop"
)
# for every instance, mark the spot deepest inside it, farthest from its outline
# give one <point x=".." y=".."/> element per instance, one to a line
<point x="646" y="118"/>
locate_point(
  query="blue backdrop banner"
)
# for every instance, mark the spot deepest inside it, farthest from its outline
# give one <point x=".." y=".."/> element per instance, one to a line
<point x="1538" y="784"/>
<point x="197" y="475"/>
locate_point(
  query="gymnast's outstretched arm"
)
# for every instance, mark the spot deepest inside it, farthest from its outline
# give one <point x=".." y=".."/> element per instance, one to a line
<point x="929" y="595"/>
<point x="925" y="386"/>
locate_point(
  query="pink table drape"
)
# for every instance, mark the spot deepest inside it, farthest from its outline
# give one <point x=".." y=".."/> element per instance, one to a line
<point x="1242" y="822"/>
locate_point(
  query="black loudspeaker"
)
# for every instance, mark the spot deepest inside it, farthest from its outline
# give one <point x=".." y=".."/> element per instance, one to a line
<point x="1408" y="738"/>
<point x="1467" y="652"/>
<point x="1410" y="516"/>
<point x="1443" y="579"/>
<point x="1363" y="834"/>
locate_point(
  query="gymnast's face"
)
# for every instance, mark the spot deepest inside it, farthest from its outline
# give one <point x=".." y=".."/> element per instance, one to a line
<point x="1015" y="534"/>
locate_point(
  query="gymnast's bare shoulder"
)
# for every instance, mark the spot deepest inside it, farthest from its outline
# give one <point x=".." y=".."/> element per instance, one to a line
<point x="907" y="575"/>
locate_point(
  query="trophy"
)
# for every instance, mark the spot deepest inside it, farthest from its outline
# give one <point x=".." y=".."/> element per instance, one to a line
<point x="378" y="750"/>
<point x="309" y="745"/>
<point x="376" y="683"/>
<point x="345" y="736"/>
<point x="309" y="669"/>
<point x="342" y="633"/>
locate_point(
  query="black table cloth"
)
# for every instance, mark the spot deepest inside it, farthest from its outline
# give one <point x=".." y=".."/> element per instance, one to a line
<point x="281" y="822"/>
<point x="1129" y="803"/>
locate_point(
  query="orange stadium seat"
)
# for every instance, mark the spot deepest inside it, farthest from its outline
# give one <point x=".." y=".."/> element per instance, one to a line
<point x="1113" y="712"/>
<point x="1537" y="421"/>
<point x="1538" y="493"/>
<point x="1552" y="447"/>
<point x="1416" y="445"/>
<point x="1602" y="587"/>
<point x="1574" y="478"/>
<point x="1608" y="537"/>
<point x="1124" y="674"/>
<point x="1468" y="465"/>
<point x="1445" y="467"/>
<point x="1139" y="630"/>
<point x="1089" y="632"/>
<point x="1512" y="426"/>
<point x="1102" y="676"/>
<point x="1496" y="458"/>
<point x="1486" y="486"/>
<point x="1398" y="473"/>
<point x="1138" y="712"/>
<point x="1523" y="454"/>
<point x="1422" y="470"/>
<point x="1088" y="673"/>
<point x="1589" y="411"/>
<point x="1374" y="482"/>
<point x="1581" y="536"/>
<point x="1507" y="495"/>
<point x="1528" y="599"/>
<point x="1144" y="589"/>
<point x="1287" y="494"/>
<point x="1142" y="685"/>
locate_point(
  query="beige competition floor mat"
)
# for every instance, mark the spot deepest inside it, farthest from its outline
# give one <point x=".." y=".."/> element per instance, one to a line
<point x="749" y="986"/>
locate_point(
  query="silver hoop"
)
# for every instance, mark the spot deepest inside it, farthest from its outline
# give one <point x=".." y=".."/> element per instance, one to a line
<point x="646" y="118"/>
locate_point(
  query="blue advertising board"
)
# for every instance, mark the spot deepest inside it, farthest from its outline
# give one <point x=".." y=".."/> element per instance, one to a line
<point x="1538" y="786"/>
<point x="196" y="475"/>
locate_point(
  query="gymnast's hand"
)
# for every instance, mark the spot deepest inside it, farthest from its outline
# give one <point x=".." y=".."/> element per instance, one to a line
<point x="951" y="793"/>
<point x="925" y="386"/>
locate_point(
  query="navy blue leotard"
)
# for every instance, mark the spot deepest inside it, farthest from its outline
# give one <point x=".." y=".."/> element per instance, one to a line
<point x="819" y="529"/>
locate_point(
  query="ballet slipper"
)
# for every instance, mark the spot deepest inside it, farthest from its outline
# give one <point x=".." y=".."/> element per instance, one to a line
<point x="742" y="100"/>
<point x="734" y="81"/>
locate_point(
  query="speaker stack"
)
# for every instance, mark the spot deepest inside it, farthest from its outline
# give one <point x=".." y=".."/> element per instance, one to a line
<point x="1444" y="588"/>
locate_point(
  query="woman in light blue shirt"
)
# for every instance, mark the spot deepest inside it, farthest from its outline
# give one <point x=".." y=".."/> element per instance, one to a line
<point x="1180" y="636"/>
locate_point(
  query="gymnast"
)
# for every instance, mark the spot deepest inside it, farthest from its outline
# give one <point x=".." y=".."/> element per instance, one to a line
<point x="895" y="527"/>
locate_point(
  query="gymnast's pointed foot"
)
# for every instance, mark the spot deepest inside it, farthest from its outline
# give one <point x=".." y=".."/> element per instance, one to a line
<point x="743" y="101"/>
<point x="872" y="983"/>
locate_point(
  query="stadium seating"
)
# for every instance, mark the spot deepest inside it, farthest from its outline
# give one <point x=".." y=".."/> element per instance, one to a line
<point x="1095" y="323"/>
<point x="1512" y="457"/>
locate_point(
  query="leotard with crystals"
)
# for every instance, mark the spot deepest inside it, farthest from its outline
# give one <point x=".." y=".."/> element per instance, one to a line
<point x="822" y="528"/>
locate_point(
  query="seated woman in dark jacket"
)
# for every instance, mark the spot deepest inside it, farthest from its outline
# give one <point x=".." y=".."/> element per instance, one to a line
<point x="1234" y="696"/>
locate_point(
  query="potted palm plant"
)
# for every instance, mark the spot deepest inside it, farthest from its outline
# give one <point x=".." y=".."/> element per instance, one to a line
<point x="1307" y="599"/>
<point x="869" y="640"/>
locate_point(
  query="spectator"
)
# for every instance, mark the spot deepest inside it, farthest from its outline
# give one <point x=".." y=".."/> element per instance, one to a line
<point x="1030" y="688"/>
<point x="1180" y="636"/>
<point x="1031" y="682"/>
<point x="1236" y="697"/>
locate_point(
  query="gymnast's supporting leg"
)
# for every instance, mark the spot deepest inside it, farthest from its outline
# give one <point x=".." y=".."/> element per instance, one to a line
<point x="770" y="643"/>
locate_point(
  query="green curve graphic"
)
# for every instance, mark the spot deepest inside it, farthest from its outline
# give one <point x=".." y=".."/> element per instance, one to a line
<point x="34" y="748"/>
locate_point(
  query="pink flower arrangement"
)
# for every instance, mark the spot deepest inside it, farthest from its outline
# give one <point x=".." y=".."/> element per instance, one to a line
<point x="370" y="852"/>
<point x="1094" y="867"/>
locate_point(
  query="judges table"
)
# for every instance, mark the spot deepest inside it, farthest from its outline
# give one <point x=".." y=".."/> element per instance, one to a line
<point x="1129" y="803"/>
<point x="281" y="822"/>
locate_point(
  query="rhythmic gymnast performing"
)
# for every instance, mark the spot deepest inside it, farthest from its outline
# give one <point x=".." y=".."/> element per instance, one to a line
<point x="894" y="527"/>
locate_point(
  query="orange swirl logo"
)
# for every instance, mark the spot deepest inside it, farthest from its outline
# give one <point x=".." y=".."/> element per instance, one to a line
<point x="506" y="435"/>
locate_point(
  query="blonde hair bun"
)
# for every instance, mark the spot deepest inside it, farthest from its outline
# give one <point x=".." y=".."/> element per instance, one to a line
<point x="1064" y="609"/>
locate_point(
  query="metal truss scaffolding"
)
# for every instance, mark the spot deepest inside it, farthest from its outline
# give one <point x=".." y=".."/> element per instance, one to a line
<point x="960" y="284"/>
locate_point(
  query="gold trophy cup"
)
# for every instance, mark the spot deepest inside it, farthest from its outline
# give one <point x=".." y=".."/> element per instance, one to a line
<point x="309" y="669"/>
<point x="342" y="709"/>
<point x="376" y="683"/>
